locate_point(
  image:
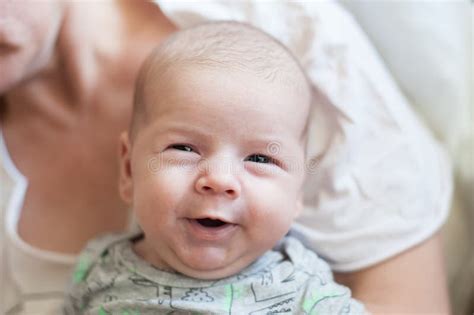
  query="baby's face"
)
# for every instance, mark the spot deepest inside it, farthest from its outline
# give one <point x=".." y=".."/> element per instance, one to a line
<point x="216" y="172"/>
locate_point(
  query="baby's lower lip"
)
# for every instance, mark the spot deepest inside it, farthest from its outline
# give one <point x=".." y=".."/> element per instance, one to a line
<point x="218" y="232"/>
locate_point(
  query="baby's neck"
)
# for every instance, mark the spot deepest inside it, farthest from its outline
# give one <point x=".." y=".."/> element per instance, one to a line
<point x="142" y="249"/>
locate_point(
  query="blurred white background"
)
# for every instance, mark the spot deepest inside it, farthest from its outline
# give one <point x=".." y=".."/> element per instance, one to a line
<point x="428" y="46"/>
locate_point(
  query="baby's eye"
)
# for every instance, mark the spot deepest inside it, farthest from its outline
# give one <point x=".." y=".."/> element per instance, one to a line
<point x="182" y="147"/>
<point x="259" y="158"/>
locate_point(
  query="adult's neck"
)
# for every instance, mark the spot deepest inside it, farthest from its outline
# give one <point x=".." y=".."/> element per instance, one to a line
<point x="61" y="126"/>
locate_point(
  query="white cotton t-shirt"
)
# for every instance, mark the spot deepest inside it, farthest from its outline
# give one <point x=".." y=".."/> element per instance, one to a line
<point x="377" y="184"/>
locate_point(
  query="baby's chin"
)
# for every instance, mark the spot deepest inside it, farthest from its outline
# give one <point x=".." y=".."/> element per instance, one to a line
<point x="210" y="267"/>
<point x="205" y="264"/>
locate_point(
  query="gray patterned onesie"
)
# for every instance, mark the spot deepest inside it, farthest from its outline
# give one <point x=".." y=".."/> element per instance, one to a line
<point x="111" y="279"/>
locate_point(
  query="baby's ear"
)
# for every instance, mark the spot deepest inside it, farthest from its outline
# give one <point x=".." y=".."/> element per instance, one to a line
<point x="125" y="180"/>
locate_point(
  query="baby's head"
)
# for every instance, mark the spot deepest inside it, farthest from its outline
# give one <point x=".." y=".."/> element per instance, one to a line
<point x="214" y="162"/>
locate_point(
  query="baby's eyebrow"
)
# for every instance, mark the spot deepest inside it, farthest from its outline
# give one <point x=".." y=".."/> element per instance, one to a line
<point x="270" y="145"/>
<point x="266" y="143"/>
<point x="186" y="129"/>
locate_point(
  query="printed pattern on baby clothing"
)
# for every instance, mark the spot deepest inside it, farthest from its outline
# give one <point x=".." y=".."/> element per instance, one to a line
<point x="111" y="279"/>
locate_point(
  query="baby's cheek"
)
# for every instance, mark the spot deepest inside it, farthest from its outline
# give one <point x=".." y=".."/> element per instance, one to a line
<point x="168" y="188"/>
<point x="269" y="210"/>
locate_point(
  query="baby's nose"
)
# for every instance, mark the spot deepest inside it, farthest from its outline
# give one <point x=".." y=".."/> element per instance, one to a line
<point x="219" y="184"/>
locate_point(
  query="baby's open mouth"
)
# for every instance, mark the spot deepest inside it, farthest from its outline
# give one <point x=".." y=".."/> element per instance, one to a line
<point x="211" y="229"/>
<point x="211" y="223"/>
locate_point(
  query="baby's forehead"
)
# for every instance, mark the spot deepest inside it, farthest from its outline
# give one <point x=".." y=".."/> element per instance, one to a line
<point x="243" y="88"/>
<point x="235" y="98"/>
